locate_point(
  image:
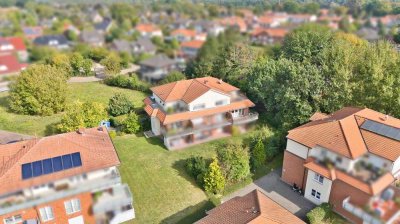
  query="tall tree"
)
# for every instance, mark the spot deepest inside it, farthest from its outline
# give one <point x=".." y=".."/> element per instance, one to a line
<point x="214" y="181"/>
<point x="234" y="160"/>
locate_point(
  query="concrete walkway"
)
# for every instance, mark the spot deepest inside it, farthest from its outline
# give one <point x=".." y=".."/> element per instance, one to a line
<point x="83" y="79"/>
<point x="280" y="192"/>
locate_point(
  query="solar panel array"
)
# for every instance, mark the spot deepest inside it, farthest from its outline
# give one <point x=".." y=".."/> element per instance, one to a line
<point x="51" y="165"/>
<point x="382" y="129"/>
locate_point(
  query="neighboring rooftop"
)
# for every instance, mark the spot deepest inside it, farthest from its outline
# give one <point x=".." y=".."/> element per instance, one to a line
<point x="158" y="61"/>
<point x="7" y="137"/>
<point x="254" y="207"/>
<point x="51" y="40"/>
<point x="196" y="44"/>
<point x="343" y="132"/>
<point x="9" y="64"/>
<point x="94" y="145"/>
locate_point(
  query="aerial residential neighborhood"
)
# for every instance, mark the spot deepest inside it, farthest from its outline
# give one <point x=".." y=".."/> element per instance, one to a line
<point x="205" y="112"/>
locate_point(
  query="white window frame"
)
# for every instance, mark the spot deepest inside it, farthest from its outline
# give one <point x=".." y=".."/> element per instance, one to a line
<point x="46" y="213"/>
<point x="72" y="206"/>
<point x="13" y="219"/>
<point x="319" y="178"/>
<point x="199" y="106"/>
<point x="316" y="194"/>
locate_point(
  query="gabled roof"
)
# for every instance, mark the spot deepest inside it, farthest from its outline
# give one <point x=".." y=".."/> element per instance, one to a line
<point x="103" y="25"/>
<point x="191" y="89"/>
<point x="196" y="44"/>
<point x="272" y="32"/>
<point x="10" y="64"/>
<point x="158" y="61"/>
<point x="46" y="39"/>
<point x="92" y="36"/>
<point x="94" y="145"/>
<point x="341" y="133"/>
<point x="184" y="32"/>
<point x="254" y="207"/>
<point x="17" y="43"/>
<point x="147" y="28"/>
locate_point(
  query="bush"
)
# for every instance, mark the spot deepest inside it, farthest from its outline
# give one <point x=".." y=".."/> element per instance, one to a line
<point x="126" y="82"/>
<point x="112" y="64"/>
<point x="214" y="180"/>
<point x="318" y="214"/>
<point x="119" y="104"/>
<point x="112" y="134"/>
<point x="258" y="155"/>
<point x="173" y="77"/>
<point x="39" y="90"/>
<point x="128" y="123"/>
<point x="197" y="167"/>
<point x="234" y="160"/>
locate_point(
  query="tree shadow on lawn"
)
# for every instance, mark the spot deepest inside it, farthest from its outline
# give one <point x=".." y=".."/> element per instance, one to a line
<point x="190" y="214"/>
<point x="155" y="141"/>
<point x="180" y="167"/>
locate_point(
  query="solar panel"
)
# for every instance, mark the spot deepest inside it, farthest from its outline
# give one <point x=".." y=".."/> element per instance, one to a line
<point x="76" y="159"/>
<point x="37" y="168"/>
<point x="57" y="164"/>
<point x="26" y="170"/>
<point x="382" y="129"/>
<point x="67" y="162"/>
<point x="47" y="166"/>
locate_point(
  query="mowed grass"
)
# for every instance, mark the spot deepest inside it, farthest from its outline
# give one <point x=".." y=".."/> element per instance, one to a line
<point x="42" y="126"/>
<point x="163" y="192"/>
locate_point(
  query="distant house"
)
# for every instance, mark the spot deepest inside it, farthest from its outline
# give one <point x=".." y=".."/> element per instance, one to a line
<point x="268" y="35"/>
<point x="302" y="18"/>
<point x="183" y="35"/>
<point x="92" y="37"/>
<point x="142" y="45"/>
<point x="13" y="45"/>
<point x="156" y="68"/>
<point x="95" y="17"/>
<point x="56" y="41"/>
<point x="369" y="34"/>
<point x="9" y="65"/>
<point x="104" y="26"/>
<point x="181" y="23"/>
<point x="254" y="207"/>
<point x="148" y="30"/>
<point x="31" y="32"/>
<point x="190" y="49"/>
<point x="7" y="137"/>
<point x="272" y="19"/>
<point x="234" y="22"/>
<point x="209" y="27"/>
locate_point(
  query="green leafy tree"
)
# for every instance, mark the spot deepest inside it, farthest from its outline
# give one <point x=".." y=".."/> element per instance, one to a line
<point x="132" y="124"/>
<point x="258" y="154"/>
<point x="173" y="77"/>
<point x="96" y="54"/>
<point x="40" y="53"/>
<point x="60" y="61"/>
<point x="122" y="12"/>
<point x="126" y="58"/>
<point x="112" y="64"/>
<point x="82" y="115"/>
<point x="234" y="160"/>
<point x="197" y="167"/>
<point x="39" y="90"/>
<point x="119" y="104"/>
<point x="311" y="8"/>
<point x="80" y="65"/>
<point x="214" y="181"/>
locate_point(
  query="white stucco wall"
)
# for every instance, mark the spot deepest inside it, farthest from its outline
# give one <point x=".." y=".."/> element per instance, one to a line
<point x="209" y="99"/>
<point x="297" y="149"/>
<point x="321" y="153"/>
<point x="396" y="167"/>
<point x="324" y="189"/>
<point x="155" y="125"/>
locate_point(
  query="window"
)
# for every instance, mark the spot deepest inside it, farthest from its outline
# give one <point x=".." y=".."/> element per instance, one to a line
<point x="318" y="178"/>
<point x="220" y="102"/>
<point x="13" y="219"/>
<point x="338" y="160"/>
<point x="46" y="213"/>
<point x="72" y="206"/>
<point x="199" y="106"/>
<point x="315" y="194"/>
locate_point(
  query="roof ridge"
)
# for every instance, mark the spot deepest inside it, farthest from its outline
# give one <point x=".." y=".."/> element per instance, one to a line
<point x="187" y="89"/>
<point x="345" y="138"/>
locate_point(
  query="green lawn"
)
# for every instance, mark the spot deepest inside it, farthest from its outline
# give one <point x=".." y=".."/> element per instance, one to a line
<point x="41" y="126"/>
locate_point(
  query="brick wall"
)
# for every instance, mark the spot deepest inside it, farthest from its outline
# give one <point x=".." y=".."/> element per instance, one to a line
<point x="293" y="169"/>
<point x="60" y="215"/>
<point x="338" y="195"/>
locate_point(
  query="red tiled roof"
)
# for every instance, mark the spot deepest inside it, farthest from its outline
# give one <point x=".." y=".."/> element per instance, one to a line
<point x="147" y="28"/>
<point x="193" y="44"/>
<point x="184" y="32"/>
<point x="188" y="90"/>
<point x="10" y="63"/>
<point x="16" y="42"/>
<point x="272" y="32"/>
<point x="254" y="207"/>
<point x="234" y="21"/>
<point x="95" y="146"/>
<point x="340" y="132"/>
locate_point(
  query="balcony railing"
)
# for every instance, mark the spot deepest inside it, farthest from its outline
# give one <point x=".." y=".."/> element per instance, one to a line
<point x="121" y="196"/>
<point x="361" y="213"/>
<point x="252" y="116"/>
<point x="192" y="130"/>
<point x="87" y="186"/>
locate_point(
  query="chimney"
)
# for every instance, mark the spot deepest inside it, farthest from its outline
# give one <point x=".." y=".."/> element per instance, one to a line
<point x="205" y="81"/>
<point x="386" y="117"/>
<point x="81" y="131"/>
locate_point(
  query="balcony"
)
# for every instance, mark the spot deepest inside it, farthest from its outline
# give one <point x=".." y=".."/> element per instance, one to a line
<point x="19" y="201"/>
<point x="250" y="117"/>
<point x="191" y="130"/>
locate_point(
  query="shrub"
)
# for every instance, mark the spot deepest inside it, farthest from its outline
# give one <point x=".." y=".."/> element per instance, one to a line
<point x="39" y="90"/>
<point x="128" y="123"/>
<point x="127" y="82"/>
<point x="318" y="214"/>
<point x="119" y="104"/>
<point x="234" y="160"/>
<point x="112" y="64"/>
<point x="173" y="77"/>
<point x="214" y="181"/>
<point x="197" y="167"/>
<point x="112" y="134"/>
<point x="258" y="155"/>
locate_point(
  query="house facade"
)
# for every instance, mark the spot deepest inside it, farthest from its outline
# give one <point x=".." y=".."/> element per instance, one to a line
<point x="350" y="159"/>
<point x="68" y="178"/>
<point x="156" y="68"/>
<point x="192" y="111"/>
<point x="265" y="36"/>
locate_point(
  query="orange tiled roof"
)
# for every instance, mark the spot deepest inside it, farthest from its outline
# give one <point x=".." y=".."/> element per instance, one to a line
<point x="184" y="32"/>
<point x="254" y="207"/>
<point x="95" y="146"/>
<point x="193" y="44"/>
<point x="372" y="189"/>
<point x="340" y="132"/>
<point x="318" y="116"/>
<point x="188" y="90"/>
<point x="147" y="28"/>
<point x="272" y="32"/>
<point x="234" y="21"/>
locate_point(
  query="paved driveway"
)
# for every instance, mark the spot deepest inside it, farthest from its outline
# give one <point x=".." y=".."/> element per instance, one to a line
<point x="273" y="187"/>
